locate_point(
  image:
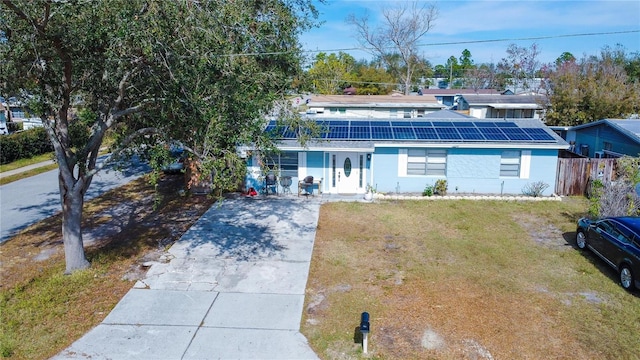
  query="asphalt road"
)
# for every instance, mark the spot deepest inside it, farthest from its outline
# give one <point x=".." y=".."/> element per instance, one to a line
<point x="27" y="201"/>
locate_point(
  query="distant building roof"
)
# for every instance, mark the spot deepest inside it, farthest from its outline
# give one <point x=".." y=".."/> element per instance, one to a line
<point x="507" y="101"/>
<point x="374" y="100"/>
<point x="437" y="92"/>
<point x="447" y="114"/>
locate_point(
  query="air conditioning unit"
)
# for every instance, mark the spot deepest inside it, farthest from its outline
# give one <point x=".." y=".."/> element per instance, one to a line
<point x="599" y="154"/>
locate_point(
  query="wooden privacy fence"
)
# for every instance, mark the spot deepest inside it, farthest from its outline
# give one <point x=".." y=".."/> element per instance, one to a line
<point x="574" y="174"/>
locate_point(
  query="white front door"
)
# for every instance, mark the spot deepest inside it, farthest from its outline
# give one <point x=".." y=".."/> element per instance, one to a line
<point x="347" y="171"/>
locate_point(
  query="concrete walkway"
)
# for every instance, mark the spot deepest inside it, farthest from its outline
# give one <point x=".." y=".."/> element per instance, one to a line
<point x="25" y="168"/>
<point x="231" y="288"/>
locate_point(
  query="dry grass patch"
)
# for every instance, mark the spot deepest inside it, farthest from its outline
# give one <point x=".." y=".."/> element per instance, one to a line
<point x="463" y="280"/>
<point x="43" y="311"/>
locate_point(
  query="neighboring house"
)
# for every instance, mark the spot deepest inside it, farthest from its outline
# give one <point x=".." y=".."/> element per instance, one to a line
<point x="16" y="112"/>
<point x="372" y="106"/>
<point x="3" y="121"/>
<point x="449" y="97"/>
<point x="481" y="156"/>
<point x="607" y="138"/>
<point x="503" y="106"/>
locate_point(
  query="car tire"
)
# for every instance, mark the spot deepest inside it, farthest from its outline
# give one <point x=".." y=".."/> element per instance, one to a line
<point x="626" y="277"/>
<point x="581" y="239"/>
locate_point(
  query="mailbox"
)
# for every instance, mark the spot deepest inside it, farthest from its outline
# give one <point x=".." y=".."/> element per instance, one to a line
<point x="364" y="322"/>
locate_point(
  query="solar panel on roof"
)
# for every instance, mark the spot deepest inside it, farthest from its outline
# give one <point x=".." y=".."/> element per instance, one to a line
<point x="426" y="133"/>
<point x="289" y="133"/>
<point x="470" y="133"/>
<point x="492" y="133"/>
<point x="381" y="132"/>
<point x="484" y="124"/>
<point x="338" y="123"/>
<point x="403" y="132"/>
<point x="271" y="126"/>
<point x="338" y="132"/>
<point x="463" y="124"/>
<point x="417" y="124"/>
<point x="448" y="133"/>
<point x="515" y="134"/>
<point x="360" y="132"/>
<point x="538" y="134"/>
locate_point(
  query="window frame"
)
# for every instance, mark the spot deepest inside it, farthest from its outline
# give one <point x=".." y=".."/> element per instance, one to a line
<point x="427" y="162"/>
<point x="510" y="163"/>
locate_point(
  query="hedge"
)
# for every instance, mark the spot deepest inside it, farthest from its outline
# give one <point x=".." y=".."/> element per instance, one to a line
<point x="23" y="145"/>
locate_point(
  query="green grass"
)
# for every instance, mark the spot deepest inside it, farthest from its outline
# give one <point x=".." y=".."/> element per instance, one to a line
<point x="26" y="162"/>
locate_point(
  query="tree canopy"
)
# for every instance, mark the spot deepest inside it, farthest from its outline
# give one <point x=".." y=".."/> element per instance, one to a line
<point x="591" y="89"/>
<point x="204" y="73"/>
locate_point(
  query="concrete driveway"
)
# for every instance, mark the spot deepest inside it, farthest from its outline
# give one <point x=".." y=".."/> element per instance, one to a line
<point x="231" y="288"/>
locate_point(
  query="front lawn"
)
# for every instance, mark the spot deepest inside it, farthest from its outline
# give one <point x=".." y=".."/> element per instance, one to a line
<point x="464" y="280"/>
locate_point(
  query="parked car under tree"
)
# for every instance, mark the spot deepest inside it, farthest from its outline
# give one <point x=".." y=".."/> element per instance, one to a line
<point x="617" y="241"/>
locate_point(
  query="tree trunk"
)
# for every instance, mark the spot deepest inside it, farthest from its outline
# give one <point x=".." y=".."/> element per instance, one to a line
<point x="72" y="199"/>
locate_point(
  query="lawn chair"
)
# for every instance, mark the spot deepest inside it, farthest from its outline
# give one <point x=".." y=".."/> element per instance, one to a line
<point x="270" y="184"/>
<point x="307" y="185"/>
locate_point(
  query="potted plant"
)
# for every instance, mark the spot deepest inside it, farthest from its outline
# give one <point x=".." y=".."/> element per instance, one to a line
<point x="369" y="194"/>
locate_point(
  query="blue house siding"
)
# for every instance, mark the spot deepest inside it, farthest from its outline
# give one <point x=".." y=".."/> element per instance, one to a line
<point x="468" y="171"/>
<point x="596" y="136"/>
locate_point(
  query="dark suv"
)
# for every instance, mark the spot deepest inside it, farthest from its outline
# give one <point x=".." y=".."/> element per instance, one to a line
<point x="617" y="241"/>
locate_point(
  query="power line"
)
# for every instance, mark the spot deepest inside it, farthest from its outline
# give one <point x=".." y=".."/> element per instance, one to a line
<point x="494" y="40"/>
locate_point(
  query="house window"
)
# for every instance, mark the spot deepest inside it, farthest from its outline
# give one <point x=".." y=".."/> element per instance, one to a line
<point x="393" y="113"/>
<point x="286" y="162"/>
<point x="333" y="171"/>
<point x="361" y="165"/>
<point x="608" y="146"/>
<point x="407" y="113"/>
<point x="510" y="163"/>
<point x="426" y="162"/>
<point x="17" y="114"/>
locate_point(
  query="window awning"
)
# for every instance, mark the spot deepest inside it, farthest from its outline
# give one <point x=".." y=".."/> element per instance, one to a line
<point x="516" y="106"/>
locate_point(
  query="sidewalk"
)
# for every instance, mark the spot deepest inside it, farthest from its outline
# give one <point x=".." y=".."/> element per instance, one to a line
<point x="231" y="288"/>
<point x="25" y="168"/>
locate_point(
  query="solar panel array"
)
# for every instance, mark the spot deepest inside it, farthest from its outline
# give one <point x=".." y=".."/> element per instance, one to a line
<point x="479" y="131"/>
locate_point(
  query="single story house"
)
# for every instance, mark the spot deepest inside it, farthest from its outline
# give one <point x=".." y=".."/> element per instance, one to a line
<point x="372" y="106"/>
<point x="607" y="138"/>
<point x="392" y="155"/>
<point x="503" y="106"/>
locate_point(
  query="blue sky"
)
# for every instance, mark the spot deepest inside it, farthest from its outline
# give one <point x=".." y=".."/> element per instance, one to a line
<point x="460" y="22"/>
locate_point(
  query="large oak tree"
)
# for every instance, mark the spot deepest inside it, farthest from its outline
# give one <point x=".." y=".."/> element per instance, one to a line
<point x="201" y="72"/>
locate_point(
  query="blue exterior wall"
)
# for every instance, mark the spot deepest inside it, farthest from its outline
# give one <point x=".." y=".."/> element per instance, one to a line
<point x="468" y="171"/>
<point x="596" y="136"/>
